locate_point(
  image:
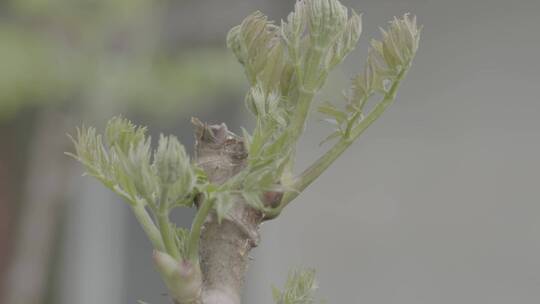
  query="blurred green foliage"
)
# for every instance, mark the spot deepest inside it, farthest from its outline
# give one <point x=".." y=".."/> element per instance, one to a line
<point x="95" y="52"/>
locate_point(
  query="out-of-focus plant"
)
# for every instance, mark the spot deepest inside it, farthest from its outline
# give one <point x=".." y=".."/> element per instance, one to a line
<point x="77" y="51"/>
<point x="237" y="182"/>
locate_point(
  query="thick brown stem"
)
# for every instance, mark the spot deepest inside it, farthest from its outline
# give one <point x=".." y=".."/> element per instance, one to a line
<point x="224" y="246"/>
<point x="224" y="253"/>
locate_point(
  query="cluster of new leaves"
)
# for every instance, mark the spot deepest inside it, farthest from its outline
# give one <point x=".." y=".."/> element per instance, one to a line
<point x="160" y="180"/>
<point x="388" y="61"/>
<point x="269" y="148"/>
<point x="285" y="66"/>
<point x="296" y="56"/>
<point x="124" y="162"/>
<point x="298" y="288"/>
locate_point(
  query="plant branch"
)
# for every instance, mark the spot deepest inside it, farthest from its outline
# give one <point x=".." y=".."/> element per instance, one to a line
<point x="148" y="226"/>
<point x="321" y="164"/>
<point x="165" y="226"/>
<point x="196" y="227"/>
<point x="307" y="91"/>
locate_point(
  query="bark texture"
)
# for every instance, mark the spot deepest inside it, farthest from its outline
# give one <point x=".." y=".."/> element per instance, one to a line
<point x="224" y="246"/>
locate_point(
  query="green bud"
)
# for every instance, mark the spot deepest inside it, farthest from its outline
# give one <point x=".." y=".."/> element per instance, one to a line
<point x="90" y="151"/>
<point x="133" y="171"/>
<point x="326" y="21"/>
<point x="346" y="42"/>
<point x="399" y="43"/>
<point x="171" y="161"/>
<point x="298" y="289"/>
<point x="270" y="74"/>
<point x="251" y="42"/>
<point x="123" y="134"/>
<point x="174" y="171"/>
<point x="292" y="30"/>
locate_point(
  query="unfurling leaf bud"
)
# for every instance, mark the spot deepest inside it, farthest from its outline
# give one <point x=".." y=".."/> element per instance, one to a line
<point x="399" y="43"/>
<point x="133" y="170"/>
<point x="172" y="162"/>
<point x="251" y="42"/>
<point x="386" y="58"/>
<point x="298" y="288"/>
<point x="346" y="42"/>
<point x="292" y="30"/>
<point x="123" y="134"/>
<point x="326" y="21"/>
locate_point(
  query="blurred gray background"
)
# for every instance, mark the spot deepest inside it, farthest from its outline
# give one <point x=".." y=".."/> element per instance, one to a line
<point x="437" y="203"/>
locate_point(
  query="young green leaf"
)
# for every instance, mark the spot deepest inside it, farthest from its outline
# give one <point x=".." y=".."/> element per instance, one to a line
<point x="224" y="201"/>
<point x="298" y="288"/>
<point x="127" y="165"/>
<point x="182" y="240"/>
<point x="123" y="134"/>
<point x="331" y="110"/>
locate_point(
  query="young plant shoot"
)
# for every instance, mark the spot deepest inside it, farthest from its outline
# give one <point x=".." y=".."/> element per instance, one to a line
<point x="238" y="181"/>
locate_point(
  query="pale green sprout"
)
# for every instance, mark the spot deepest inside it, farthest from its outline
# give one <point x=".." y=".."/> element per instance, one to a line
<point x="175" y="171"/>
<point x="298" y="289"/>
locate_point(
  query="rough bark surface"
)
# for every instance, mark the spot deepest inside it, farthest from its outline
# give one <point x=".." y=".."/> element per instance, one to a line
<point x="224" y="246"/>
